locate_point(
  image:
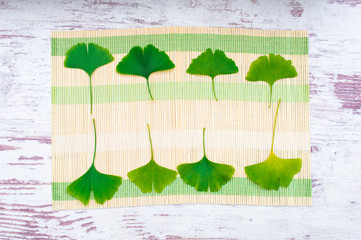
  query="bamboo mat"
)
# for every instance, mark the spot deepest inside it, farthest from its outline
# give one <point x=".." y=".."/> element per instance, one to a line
<point x="239" y="126"/>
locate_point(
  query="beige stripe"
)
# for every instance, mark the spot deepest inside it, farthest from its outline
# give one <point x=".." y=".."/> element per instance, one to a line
<point x="167" y="30"/>
<point x="181" y="139"/>
<point x="187" y="199"/>
<point x="69" y="166"/>
<point x="179" y="114"/>
<point x="107" y="75"/>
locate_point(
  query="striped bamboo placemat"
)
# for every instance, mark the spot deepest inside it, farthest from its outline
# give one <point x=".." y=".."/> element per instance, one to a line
<point x="239" y="125"/>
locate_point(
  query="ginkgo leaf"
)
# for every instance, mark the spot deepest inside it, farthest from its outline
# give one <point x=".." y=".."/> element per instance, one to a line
<point x="270" y="69"/>
<point x="88" y="59"/>
<point x="152" y="175"/>
<point x="274" y="171"/>
<point x="212" y="64"/>
<point x="205" y="174"/>
<point x="143" y="63"/>
<point x="103" y="186"/>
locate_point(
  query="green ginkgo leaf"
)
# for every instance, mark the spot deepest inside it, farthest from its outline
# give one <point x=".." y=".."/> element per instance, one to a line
<point x="87" y="58"/>
<point x="274" y="171"/>
<point x="212" y="64"/>
<point x="270" y="69"/>
<point x="152" y="175"/>
<point x="143" y="63"/>
<point x="205" y="174"/>
<point x="103" y="186"/>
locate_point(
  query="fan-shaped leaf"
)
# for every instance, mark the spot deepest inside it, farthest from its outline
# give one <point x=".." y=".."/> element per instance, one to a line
<point x="270" y="69"/>
<point x="152" y="176"/>
<point x="274" y="171"/>
<point x="205" y="174"/>
<point x="87" y="58"/>
<point x="103" y="186"/>
<point x="212" y="64"/>
<point x="144" y="62"/>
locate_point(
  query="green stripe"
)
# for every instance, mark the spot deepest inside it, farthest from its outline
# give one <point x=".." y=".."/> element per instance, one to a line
<point x="191" y="42"/>
<point x="237" y="186"/>
<point x="253" y="92"/>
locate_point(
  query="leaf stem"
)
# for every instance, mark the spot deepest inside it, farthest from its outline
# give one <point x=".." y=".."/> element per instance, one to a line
<point x="149" y="89"/>
<point x="95" y="141"/>
<point x="150" y="140"/>
<point x="270" y="97"/>
<point x="274" y="125"/>
<point x="214" y="93"/>
<point x="204" y="146"/>
<point x="270" y="77"/>
<point x="91" y="95"/>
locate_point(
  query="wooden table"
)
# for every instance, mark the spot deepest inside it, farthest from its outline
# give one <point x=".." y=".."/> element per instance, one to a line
<point x="25" y="139"/>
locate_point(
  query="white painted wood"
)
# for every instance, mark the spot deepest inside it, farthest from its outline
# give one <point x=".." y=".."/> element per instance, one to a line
<point x="25" y="150"/>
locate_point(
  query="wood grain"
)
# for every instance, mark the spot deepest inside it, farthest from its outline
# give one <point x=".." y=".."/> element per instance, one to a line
<point x="25" y="146"/>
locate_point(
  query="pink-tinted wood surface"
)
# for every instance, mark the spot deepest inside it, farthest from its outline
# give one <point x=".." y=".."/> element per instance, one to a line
<point x="25" y="145"/>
